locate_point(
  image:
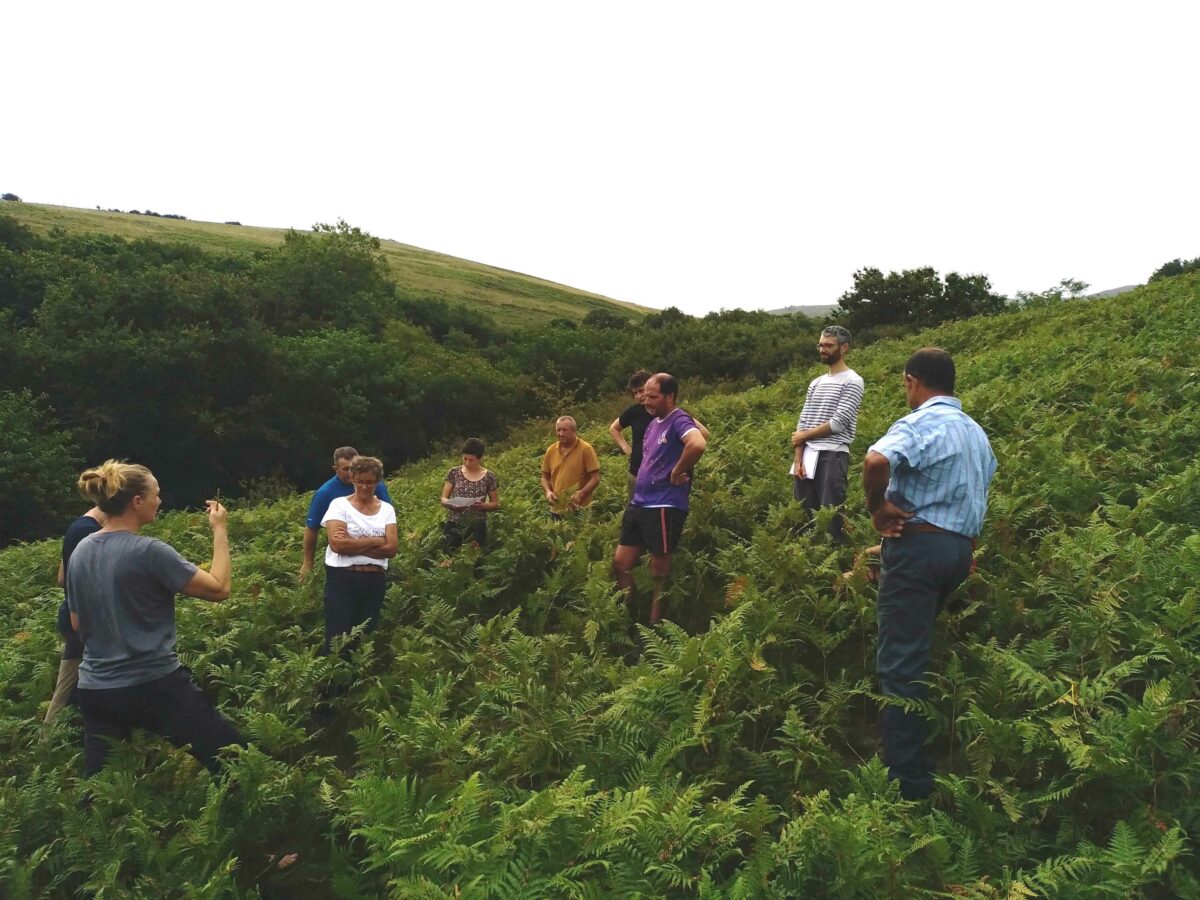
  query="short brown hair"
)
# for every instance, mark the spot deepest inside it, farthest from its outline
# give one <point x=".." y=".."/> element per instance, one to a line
<point x="367" y="465"/>
<point x="344" y="453"/>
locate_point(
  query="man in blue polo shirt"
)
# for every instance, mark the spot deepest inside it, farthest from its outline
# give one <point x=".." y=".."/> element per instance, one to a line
<point x="654" y="518"/>
<point x="337" y="486"/>
<point x="926" y="483"/>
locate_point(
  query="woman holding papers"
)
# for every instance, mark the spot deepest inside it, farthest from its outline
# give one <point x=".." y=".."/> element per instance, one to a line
<point x="469" y="494"/>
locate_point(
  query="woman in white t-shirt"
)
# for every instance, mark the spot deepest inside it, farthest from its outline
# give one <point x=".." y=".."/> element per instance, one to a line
<point x="361" y="531"/>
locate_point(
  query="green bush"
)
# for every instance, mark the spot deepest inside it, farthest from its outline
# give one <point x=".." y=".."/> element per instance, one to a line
<point x="492" y="741"/>
<point x="38" y="467"/>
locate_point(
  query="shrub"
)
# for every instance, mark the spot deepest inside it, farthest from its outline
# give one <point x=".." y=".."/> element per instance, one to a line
<point x="38" y="467"/>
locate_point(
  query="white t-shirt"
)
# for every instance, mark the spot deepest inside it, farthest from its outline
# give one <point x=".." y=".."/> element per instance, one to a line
<point x="357" y="526"/>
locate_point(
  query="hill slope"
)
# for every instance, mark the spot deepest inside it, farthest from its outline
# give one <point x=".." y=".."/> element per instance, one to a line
<point x="492" y="742"/>
<point x="514" y="299"/>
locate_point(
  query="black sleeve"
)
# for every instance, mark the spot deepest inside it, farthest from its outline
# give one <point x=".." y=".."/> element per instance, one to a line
<point x="76" y="533"/>
<point x="626" y="418"/>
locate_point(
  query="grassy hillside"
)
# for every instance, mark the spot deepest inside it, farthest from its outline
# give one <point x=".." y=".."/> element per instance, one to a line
<point x="513" y="298"/>
<point x="493" y="742"/>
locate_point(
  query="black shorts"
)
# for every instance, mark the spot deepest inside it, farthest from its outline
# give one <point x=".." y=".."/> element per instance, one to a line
<point x="657" y="528"/>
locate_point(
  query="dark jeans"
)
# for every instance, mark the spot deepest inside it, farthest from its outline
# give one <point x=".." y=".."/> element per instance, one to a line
<point x="920" y="570"/>
<point x="172" y="706"/>
<point x="351" y="598"/>
<point x="827" y="489"/>
<point x="454" y="534"/>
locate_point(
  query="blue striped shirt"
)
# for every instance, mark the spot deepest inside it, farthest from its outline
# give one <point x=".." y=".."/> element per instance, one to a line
<point x="941" y="465"/>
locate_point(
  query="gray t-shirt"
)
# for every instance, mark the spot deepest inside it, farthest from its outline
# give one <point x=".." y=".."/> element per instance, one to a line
<point x="122" y="586"/>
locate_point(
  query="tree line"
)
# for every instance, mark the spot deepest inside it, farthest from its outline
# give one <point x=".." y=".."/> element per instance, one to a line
<point x="228" y="372"/>
<point x="238" y="372"/>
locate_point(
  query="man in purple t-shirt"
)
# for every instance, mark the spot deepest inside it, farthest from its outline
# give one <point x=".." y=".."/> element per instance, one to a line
<point x="654" y="518"/>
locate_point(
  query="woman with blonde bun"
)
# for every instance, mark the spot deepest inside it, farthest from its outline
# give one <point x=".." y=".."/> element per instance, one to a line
<point x="362" y="537"/>
<point x="121" y="588"/>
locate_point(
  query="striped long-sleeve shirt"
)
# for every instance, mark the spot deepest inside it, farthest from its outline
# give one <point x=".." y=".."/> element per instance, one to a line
<point x="941" y="464"/>
<point x="834" y="399"/>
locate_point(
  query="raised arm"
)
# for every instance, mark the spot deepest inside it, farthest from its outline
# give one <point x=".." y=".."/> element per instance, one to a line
<point x="217" y="582"/>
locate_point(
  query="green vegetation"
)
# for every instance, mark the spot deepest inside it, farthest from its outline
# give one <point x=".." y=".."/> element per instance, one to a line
<point x="511" y="298"/>
<point x="1176" y="267"/>
<point x="491" y="741"/>
<point x="261" y="364"/>
<point x="889" y="305"/>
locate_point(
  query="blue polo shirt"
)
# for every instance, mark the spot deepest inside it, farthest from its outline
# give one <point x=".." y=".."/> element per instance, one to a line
<point x="941" y="466"/>
<point x="330" y="491"/>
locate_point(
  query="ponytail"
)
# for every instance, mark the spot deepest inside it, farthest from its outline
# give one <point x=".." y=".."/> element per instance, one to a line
<point x="113" y="484"/>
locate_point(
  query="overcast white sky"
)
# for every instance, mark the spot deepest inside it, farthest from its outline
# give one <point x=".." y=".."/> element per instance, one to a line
<point x="695" y="154"/>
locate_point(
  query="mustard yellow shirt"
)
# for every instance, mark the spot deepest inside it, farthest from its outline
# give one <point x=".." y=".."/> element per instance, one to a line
<point x="569" y="470"/>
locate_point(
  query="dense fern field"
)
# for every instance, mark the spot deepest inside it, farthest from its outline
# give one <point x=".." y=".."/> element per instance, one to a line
<point x="493" y="741"/>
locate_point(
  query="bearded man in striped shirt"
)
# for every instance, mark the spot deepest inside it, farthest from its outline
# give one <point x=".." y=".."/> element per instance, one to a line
<point x="827" y="424"/>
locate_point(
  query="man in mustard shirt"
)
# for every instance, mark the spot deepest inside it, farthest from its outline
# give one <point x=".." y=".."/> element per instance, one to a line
<point x="569" y="463"/>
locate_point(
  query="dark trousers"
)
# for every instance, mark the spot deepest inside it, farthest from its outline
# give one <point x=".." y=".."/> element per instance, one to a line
<point x="351" y="598"/>
<point x="827" y="489"/>
<point x="172" y="706"/>
<point x="919" y="572"/>
<point x="455" y="533"/>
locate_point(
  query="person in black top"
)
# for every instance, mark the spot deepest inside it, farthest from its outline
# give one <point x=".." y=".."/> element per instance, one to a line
<point x="636" y="419"/>
<point x="68" y="667"/>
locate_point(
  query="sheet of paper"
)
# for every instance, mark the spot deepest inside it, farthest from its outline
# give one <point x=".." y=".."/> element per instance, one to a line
<point x="810" y="462"/>
<point x="463" y="501"/>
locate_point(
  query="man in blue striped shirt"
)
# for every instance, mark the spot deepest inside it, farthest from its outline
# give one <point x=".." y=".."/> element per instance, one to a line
<point x="926" y="482"/>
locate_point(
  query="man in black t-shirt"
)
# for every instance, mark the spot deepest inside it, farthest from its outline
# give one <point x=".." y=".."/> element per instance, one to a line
<point x="635" y="418"/>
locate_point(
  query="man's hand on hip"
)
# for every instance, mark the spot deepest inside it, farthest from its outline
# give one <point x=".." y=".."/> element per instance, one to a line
<point x="889" y="519"/>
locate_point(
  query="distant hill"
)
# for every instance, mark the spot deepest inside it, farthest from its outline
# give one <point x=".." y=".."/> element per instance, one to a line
<point x="512" y="298"/>
<point x="1113" y="292"/>
<point x="813" y="311"/>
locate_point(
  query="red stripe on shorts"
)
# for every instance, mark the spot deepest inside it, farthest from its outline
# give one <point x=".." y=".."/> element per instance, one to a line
<point x="662" y="514"/>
